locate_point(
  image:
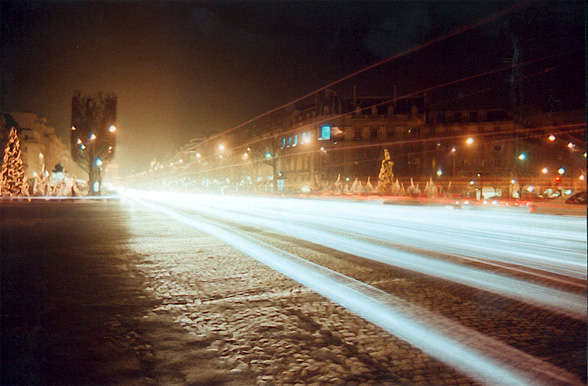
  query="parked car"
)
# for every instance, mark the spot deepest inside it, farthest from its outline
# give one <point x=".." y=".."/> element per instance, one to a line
<point x="574" y="205"/>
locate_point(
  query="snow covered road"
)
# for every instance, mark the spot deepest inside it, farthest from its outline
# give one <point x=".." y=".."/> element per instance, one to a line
<point x="504" y="261"/>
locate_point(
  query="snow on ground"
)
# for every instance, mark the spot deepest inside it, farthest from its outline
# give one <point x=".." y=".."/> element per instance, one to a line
<point x="266" y="327"/>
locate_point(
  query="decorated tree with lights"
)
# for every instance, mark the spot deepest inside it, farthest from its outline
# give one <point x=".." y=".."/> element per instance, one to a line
<point x="386" y="176"/>
<point x="93" y="134"/>
<point x="13" y="182"/>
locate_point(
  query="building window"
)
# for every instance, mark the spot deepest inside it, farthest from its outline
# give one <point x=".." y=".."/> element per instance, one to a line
<point x="283" y="142"/>
<point x="497" y="161"/>
<point x="481" y="129"/>
<point x="465" y="117"/>
<point x="390" y="132"/>
<point x="325" y="133"/>
<point x="496" y="128"/>
<point x="497" y="147"/>
<point x="374" y="133"/>
<point x="295" y="140"/>
<point x="357" y="134"/>
<point x="289" y="141"/>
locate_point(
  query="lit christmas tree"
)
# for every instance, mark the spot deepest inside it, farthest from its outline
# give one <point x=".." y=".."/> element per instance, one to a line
<point x="386" y="176"/>
<point x="13" y="182"/>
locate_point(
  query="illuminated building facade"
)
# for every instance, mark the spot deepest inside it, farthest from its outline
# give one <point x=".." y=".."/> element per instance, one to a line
<point x="309" y="146"/>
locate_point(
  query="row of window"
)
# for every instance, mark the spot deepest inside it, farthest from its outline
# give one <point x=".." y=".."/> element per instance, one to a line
<point x="326" y="133"/>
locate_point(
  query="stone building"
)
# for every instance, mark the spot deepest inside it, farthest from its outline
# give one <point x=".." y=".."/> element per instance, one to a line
<point x="310" y="145"/>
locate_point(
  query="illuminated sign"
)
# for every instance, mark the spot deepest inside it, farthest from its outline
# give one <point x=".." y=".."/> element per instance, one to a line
<point x="325" y="133"/>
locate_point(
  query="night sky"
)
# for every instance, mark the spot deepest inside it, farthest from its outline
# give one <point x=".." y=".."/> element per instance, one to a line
<point x="183" y="69"/>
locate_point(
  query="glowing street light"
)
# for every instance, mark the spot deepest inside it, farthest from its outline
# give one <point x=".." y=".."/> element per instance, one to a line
<point x="221" y="147"/>
<point x="268" y="155"/>
<point x="544" y="170"/>
<point x="92" y="137"/>
<point x="73" y="128"/>
<point x="112" y="129"/>
<point x="523" y="156"/>
<point x="551" y="138"/>
<point x="561" y="171"/>
<point x="571" y="145"/>
<point x="439" y="173"/>
<point x="453" y="149"/>
<point x="470" y="140"/>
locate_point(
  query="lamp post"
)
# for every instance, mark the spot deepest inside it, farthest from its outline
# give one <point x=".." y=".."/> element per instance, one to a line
<point x="453" y="151"/>
<point x="322" y="150"/>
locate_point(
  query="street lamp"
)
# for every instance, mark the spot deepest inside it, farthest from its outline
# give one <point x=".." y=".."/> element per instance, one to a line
<point x="453" y="150"/>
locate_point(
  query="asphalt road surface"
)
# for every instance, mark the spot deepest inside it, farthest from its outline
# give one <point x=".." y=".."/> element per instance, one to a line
<point x="241" y="291"/>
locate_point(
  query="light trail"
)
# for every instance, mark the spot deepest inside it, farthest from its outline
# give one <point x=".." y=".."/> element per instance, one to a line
<point x="482" y="358"/>
<point x="223" y="207"/>
<point x="492" y="246"/>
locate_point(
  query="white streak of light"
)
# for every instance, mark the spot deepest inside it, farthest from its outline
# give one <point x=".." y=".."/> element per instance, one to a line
<point x="455" y="354"/>
<point x="567" y="303"/>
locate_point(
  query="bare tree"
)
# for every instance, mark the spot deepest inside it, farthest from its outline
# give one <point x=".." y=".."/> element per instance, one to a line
<point x="93" y="134"/>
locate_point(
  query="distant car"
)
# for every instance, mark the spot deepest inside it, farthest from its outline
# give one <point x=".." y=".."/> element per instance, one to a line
<point x="574" y="205"/>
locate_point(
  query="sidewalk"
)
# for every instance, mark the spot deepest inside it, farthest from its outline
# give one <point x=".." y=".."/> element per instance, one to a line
<point x="73" y="309"/>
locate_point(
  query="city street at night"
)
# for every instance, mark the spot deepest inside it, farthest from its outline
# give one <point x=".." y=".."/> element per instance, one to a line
<point x="171" y="288"/>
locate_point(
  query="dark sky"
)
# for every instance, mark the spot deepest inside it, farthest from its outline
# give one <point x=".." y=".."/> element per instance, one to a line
<point x="185" y="68"/>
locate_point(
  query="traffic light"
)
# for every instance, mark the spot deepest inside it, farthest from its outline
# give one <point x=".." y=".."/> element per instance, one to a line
<point x="557" y="180"/>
